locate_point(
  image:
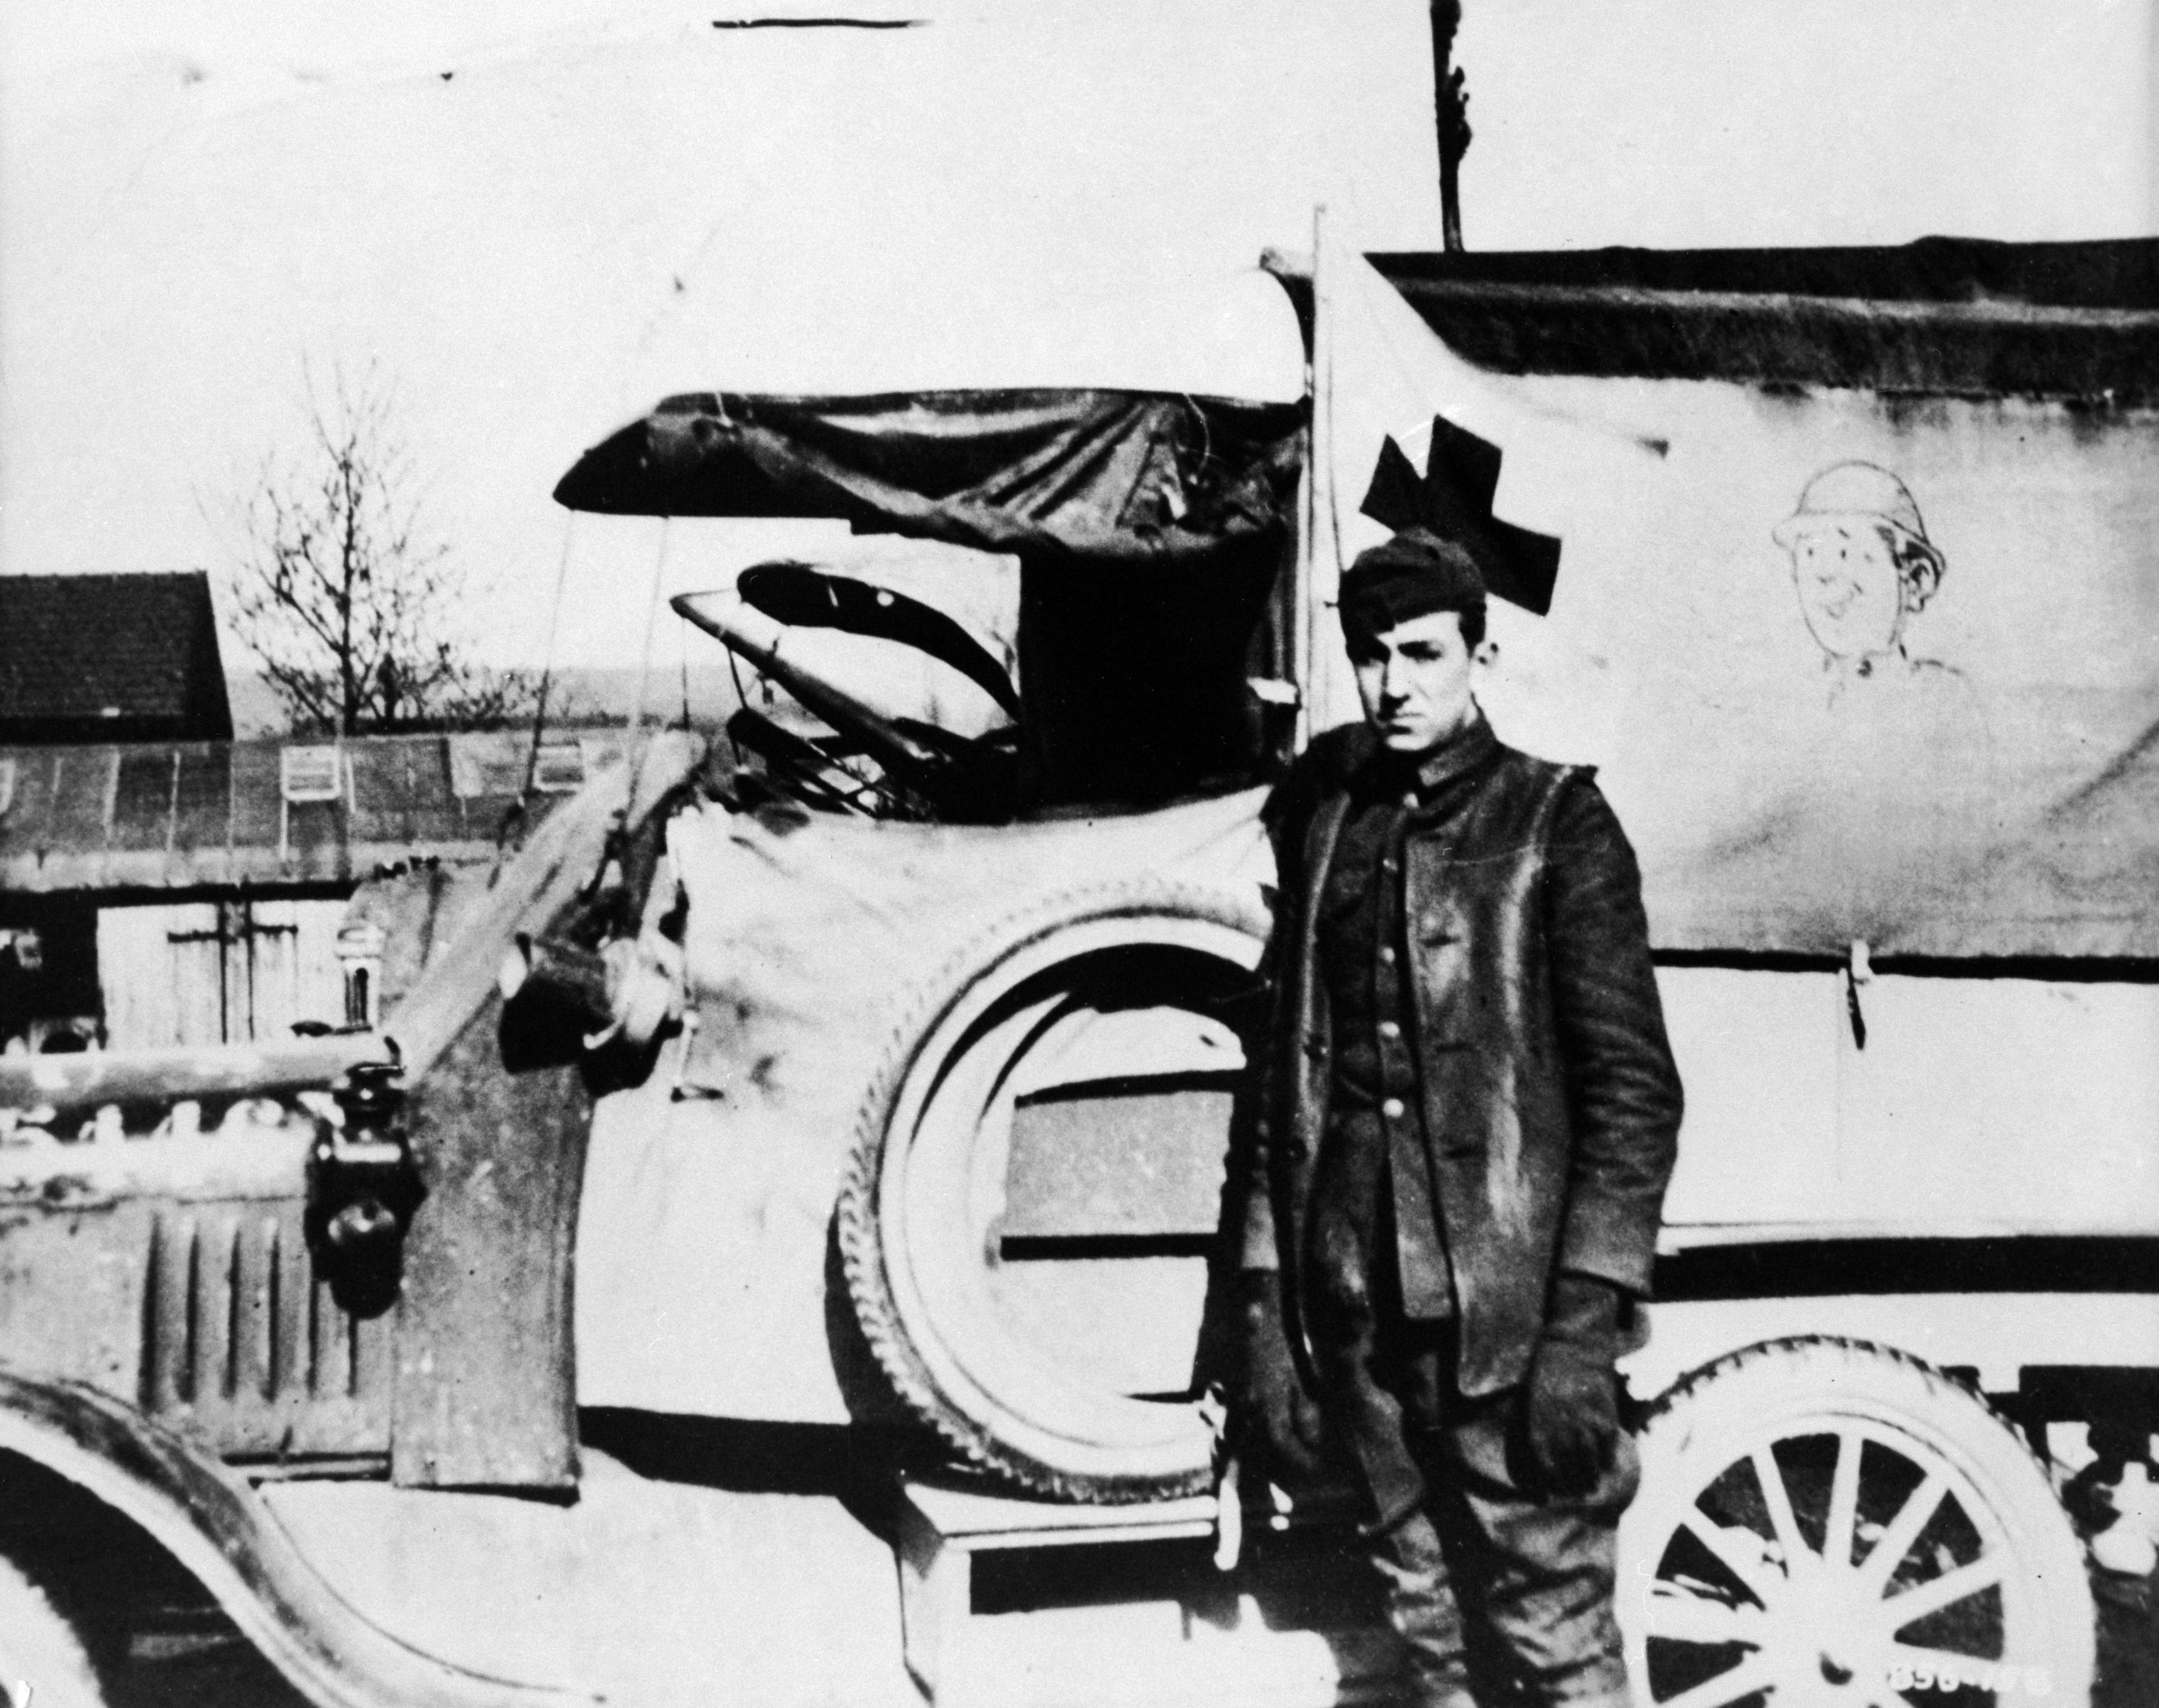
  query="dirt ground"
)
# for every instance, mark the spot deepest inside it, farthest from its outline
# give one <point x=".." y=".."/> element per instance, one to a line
<point x="202" y="1671"/>
<point x="178" y="1651"/>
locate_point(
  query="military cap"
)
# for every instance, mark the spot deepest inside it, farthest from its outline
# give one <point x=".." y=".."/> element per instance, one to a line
<point x="1414" y="573"/>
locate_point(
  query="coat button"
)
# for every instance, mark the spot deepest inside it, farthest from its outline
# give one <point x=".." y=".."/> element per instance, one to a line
<point x="1389" y="1029"/>
<point x="1392" y="1109"/>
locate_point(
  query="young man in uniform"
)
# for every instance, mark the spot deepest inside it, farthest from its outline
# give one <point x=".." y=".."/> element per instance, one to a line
<point x="1448" y="1206"/>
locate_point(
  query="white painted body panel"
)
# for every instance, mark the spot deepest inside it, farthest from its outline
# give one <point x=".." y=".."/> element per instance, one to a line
<point x="1997" y="1334"/>
<point x="2012" y="1106"/>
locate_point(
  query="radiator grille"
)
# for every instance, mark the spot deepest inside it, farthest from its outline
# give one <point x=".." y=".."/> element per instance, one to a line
<point x="243" y="1345"/>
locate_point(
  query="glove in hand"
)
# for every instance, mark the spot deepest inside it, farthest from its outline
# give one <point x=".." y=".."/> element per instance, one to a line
<point x="1572" y="1413"/>
<point x="1276" y="1423"/>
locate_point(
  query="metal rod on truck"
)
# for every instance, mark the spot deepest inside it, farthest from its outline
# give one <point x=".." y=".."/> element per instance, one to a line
<point x="745" y="630"/>
<point x="1450" y="117"/>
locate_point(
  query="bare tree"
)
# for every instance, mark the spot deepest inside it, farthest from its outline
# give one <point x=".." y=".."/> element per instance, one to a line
<point x="353" y="608"/>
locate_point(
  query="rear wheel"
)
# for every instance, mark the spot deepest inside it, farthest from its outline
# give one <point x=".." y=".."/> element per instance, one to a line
<point x="1026" y="1215"/>
<point x="1829" y="1522"/>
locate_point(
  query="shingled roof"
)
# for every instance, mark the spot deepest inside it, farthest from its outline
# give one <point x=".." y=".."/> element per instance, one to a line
<point x="107" y="657"/>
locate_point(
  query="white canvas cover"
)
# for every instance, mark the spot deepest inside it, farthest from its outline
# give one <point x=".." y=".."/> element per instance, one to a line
<point x="706" y="1282"/>
<point x="1988" y="785"/>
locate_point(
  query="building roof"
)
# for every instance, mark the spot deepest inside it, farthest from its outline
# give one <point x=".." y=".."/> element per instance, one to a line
<point x="214" y="814"/>
<point x="110" y="657"/>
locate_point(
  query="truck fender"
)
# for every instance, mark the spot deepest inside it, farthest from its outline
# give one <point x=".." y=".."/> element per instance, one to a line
<point x="212" y="1524"/>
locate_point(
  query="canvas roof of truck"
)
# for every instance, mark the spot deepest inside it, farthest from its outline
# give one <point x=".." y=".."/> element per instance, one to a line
<point x="1944" y="315"/>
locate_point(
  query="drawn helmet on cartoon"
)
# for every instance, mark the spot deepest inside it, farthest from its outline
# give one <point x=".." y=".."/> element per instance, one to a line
<point x="1860" y="492"/>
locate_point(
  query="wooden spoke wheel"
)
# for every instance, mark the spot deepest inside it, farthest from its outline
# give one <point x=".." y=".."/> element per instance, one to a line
<point x="40" y="1650"/>
<point x="1824" y="1523"/>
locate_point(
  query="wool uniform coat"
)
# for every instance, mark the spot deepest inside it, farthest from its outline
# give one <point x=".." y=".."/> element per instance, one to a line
<point x="1551" y="1103"/>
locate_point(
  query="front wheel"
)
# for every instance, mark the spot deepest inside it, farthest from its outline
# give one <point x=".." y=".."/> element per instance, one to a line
<point x="1829" y="1522"/>
<point x="42" y="1661"/>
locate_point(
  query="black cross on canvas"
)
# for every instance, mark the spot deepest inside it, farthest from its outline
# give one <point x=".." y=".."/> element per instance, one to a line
<point x="1453" y="499"/>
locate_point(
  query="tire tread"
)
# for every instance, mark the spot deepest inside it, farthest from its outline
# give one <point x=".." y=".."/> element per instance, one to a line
<point x="862" y="1253"/>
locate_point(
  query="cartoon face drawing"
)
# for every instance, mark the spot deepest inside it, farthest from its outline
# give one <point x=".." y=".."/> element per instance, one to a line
<point x="1850" y="591"/>
<point x="1862" y="562"/>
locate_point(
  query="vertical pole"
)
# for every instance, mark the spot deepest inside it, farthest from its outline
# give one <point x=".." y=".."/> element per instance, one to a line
<point x="652" y="625"/>
<point x="1450" y="117"/>
<point x="547" y="667"/>
<point x="1304" y="616"/>
<point x="640" y="745"/>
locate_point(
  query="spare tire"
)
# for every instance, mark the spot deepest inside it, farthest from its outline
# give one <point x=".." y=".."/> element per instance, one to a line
<point x="1027" y="1213"/>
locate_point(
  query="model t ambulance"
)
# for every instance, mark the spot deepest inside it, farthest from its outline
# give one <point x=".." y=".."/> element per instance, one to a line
<point x="768" y="1249"/>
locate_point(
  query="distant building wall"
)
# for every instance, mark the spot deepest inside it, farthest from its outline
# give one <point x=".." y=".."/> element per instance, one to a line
<point x="174" y="894"/>
<point x="204" y="972"/>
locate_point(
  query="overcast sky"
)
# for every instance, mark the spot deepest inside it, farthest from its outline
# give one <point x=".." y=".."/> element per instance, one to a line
<point x="599" y="204"/>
